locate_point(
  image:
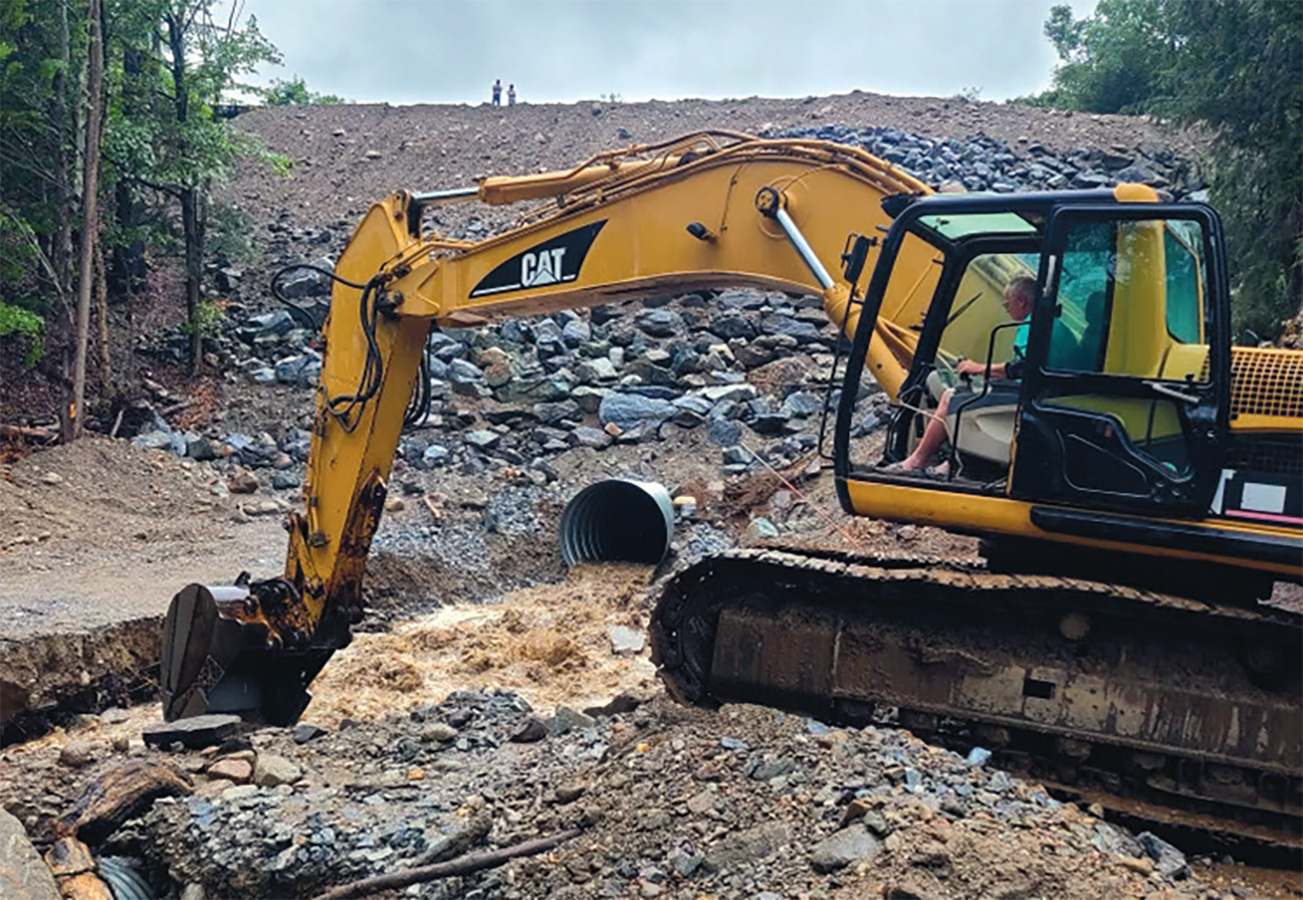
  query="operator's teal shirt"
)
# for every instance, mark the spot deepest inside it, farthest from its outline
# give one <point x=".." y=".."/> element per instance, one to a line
<point x="1020" y="340"/>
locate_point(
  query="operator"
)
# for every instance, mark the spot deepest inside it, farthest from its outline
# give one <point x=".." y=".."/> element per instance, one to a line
<point x="497" y="92"/>
<point x="1018" y="297"/>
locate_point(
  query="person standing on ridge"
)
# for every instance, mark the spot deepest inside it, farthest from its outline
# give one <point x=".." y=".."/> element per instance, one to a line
<point x="511" y="95"/>
<point x="497" y="92"/>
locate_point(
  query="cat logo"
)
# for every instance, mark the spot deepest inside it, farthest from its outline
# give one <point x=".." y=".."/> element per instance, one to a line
<point x="556" y="260"/>
<point x="541" y="268"/>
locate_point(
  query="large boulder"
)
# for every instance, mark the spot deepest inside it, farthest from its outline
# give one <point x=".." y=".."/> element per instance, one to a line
<point x="843" y="848"/>
<point x="659" y="322"/>
<point x="301" y="283"/>
<point x="23" y="874"/>
<point x="272" y="770"/>
<point x="630" y="411"/>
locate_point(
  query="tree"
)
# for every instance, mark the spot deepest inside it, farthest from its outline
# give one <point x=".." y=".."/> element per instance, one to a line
<point x="41" y="49"/>
<point x="1236" y="66"/>
<point x="294" y="92"/>
<point x="179" y="148"/>
<point x="204" y="59"/>
<point x="36" y="188"/>
<point x="1113" y="61"/>
<point x="90" y="219"/>
<point x="1240" y="70"/>
<point x="164" y="65"/>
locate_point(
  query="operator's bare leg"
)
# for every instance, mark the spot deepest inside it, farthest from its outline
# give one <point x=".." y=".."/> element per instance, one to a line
<point x="934" y="435"/>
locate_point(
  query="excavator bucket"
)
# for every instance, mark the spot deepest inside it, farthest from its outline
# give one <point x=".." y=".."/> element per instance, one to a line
<point x="216" y="657"/>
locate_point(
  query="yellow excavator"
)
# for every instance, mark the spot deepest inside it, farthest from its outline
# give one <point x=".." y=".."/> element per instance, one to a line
<point x="1136" y="480"/>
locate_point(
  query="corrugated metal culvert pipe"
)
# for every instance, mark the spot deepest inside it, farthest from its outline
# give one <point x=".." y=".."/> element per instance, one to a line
<point x="619" y="519"/>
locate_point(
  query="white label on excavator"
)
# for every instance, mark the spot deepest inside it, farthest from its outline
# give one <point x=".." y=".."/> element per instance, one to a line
<point x="1266" y="498"/>
<point x="541" y="268"/>
<point x="556" y="260"/>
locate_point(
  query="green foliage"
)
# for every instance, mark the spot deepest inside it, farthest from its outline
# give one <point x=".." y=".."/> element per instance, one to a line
<point x="161" y="131"/>
<point x="204" y="322"/>
<point x="14" y="320"/>
<point x="165" y="137"/>
<point x="167" y="64"/>
<point x="1241" y="70"/>
<point x="1115" y="60"/>
<point x="294" y="92"/>
<point x="1235" y="65"/>
<point x="281" y="164"/>
<point x="30" y="143"/>
<point x="18" y="248"/>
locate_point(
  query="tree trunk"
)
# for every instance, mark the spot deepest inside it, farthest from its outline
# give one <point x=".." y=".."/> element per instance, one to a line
<point x="61" y="243"/>
<point x="102" y="311"/>
<point x="191" y="224"/>
<point x="89" y="218"/>
<point x="61" y="252"/>
<point x="193" y="269"/>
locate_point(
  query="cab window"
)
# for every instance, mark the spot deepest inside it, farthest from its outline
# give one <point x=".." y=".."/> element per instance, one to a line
<point x="1131" y="300"/>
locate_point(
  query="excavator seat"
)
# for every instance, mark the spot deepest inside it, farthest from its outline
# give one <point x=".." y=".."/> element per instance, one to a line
<point x="980" y="423"/>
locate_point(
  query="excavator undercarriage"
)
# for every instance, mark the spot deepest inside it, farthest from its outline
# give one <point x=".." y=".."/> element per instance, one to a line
<point x="1096" y="688"/>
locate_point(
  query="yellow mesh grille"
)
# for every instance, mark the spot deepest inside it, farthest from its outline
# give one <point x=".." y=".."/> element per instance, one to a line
<point x="1266" y="382"/>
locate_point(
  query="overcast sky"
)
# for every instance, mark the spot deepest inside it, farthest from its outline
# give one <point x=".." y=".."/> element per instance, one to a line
<point x="449" y="51"/>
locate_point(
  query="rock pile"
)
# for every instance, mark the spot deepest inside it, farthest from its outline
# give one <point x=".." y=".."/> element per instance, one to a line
<point x="748" y="368"/>
<point x="982" y="163"/>
<point x="413" y="789"/>
<point x="674" y="803"/>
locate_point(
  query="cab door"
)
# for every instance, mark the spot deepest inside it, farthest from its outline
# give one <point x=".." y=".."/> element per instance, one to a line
<point x="1124" y="399"/>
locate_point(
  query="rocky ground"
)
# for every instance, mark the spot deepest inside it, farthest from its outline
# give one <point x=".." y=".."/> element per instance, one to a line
<point x="493" y="697"/>
<point x="670" y="801"/>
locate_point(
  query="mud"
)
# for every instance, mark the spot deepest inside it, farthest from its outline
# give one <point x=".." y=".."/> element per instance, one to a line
<point x="548" y="643"/>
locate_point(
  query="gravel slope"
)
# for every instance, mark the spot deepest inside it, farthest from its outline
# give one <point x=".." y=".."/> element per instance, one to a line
<point x="343" y="157"/>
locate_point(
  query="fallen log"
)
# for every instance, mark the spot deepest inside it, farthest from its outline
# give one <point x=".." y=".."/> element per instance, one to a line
<point x="24" y="433"/>
<point x="462" y="865"/>
<point x="118" y="795"/>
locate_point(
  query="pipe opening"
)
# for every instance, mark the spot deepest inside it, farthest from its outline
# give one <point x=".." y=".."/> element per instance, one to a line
<point x="617" y="520"/>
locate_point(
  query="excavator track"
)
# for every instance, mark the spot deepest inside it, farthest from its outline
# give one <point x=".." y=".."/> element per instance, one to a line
<point x="1157" y="706"/>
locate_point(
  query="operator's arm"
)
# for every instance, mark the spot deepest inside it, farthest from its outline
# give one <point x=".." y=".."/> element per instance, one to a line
<point x="973" y="367"/>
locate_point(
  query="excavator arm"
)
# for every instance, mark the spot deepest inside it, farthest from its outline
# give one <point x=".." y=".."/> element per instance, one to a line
<point x="711" y="209"/>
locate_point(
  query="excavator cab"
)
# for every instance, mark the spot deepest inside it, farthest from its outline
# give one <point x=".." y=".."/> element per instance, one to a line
<point x="1113" y="426"/>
